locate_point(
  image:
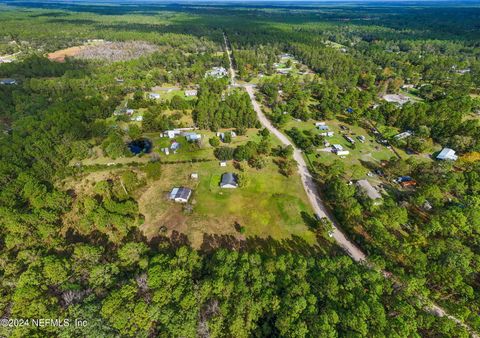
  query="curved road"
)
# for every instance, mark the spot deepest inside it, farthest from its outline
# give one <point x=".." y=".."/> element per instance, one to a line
<point x="308" y="181"/>
<point x="313" y="195"/>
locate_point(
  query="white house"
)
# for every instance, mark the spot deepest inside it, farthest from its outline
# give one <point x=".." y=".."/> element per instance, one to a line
<point x="154" y="96"/>
<point x="180" y="195"/>
<point x="171" y="133"/>
<point x="342" y="152"/>
<point x="194" y="176"/>
<point x="319" y="124"/>
<point x="447" y="154"/>
<point x="403" y="135"/>
<point x="327" y="134"/>
<point x="191" y="92"/>
<point x="223" y="164"/>
<point x="217" y="72"/>
<point x="337" y="147"/>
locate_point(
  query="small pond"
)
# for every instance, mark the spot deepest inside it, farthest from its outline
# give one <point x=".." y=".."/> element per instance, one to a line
<point x="140" y="146"/>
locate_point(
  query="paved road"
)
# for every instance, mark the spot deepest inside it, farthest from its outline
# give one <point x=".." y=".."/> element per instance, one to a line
<point x="308" y="182"/>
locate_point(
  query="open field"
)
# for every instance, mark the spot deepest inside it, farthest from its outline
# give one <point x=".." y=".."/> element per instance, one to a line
<point x="270" y="205"/>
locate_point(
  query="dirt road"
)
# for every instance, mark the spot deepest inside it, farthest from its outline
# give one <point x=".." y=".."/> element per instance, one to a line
<point x="308" y="181"/>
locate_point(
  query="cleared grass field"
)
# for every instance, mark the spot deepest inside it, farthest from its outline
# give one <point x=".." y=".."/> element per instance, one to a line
<point x="268" y="206"/>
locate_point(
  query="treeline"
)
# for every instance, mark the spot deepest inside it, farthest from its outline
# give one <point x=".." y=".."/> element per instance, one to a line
<point x="427" y="236"/>
<point x="220" y="108"/>
<point x="133" y="291"/>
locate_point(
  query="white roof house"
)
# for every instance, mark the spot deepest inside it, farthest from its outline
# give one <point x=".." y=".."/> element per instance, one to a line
<point x="194" y="176"/>
<point x="180" y="195"/>
<point x="327" y="134"/>
<point x="191" y="92"/>
<point x="154" y="96"/>
<point x="171" y="133"/>
<point x="342" y="152"/>
<point x="337" y="147"/>
<point x="403" y="135"/>
<point x="223" y="164"/>
<point x="319" y="124"/>
<point x="370" y="191"/>
<point x="398" y="99"/>
<point x="447" y="154"/>
<point x="217" y="72"/>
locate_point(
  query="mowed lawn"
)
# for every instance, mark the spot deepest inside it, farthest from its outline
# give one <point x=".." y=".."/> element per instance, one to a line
<point x="269" y="205"/>
<point x="370" y="151"/>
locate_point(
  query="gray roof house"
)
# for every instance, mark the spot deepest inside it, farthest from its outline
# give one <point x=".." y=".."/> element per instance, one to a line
<point x="229" y="181"/>
<point x="370" y="191"/>
<point x="180" y="195"/>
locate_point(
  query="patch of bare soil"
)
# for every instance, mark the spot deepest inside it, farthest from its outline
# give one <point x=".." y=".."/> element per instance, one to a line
<point x="116" y="51"/>
<point x="107" y="51"/>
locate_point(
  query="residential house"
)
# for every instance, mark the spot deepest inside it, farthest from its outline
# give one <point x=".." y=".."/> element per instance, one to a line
<point x="327" y="134"/>
<point x="8" y="82"/>
<point x="229" y="180"/>
<point x="447" y="154"/>
<point x="361" y="138"/>
<point x="403" y="135"/>
<point x="370" y="191"/>
<point x="349" y="139"/>
<point x="154" y="96"/>
<point x="191" y="137"/>
<point x="217" y="72"/>
<point x="180" y="195"/>
<point x="223" y="163"/>
<point x="323" y="127"/>
<point x="317" y="124"/>
<point x="191" y="92"/>
<point x="343" y="152"/>
<point x="171" y="133"/>
<point x="194" y="176"/>
<point x="337" y="148"/>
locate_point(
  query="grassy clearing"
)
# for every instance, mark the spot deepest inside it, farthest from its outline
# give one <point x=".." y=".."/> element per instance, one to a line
<point x="269" y="205"/>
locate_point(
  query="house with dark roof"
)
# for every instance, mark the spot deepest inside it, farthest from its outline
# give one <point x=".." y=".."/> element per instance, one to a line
<point x="229" y="181"/>
<point x="8" y="82"/>
<point x="180" y="195"/>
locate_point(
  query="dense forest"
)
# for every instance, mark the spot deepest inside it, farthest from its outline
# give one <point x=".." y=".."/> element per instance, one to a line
<point x="68" y="256"/>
